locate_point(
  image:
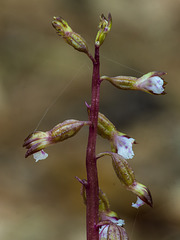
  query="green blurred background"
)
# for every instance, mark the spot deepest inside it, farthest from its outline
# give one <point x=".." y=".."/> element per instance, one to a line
<point x="40" y="73"/>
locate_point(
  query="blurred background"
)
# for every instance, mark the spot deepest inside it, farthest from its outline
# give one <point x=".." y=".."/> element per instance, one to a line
<point x="44" y="81"/>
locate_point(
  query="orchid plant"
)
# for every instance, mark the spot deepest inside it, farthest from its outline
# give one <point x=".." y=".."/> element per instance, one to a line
<point x="102" y="222"/>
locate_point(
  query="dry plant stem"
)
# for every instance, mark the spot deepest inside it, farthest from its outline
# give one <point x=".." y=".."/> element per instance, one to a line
<point x="92" y="188"/>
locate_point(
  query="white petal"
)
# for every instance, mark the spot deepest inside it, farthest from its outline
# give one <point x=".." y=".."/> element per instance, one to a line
<point x="119" y="222"/>
<point x="124" y="146"/>
<point x="154" y="84"/>
<point x="138" y="203"/>
<point x="41" y="155"/>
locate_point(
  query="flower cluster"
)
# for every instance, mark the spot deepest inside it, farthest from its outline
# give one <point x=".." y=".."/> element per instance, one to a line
<point x="110" y="225"/>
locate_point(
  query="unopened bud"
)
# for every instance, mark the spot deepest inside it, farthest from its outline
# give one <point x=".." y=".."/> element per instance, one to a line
<point x="104" y="27"/>
<point x="37" y="141"/>
<point x="71" y="37"/>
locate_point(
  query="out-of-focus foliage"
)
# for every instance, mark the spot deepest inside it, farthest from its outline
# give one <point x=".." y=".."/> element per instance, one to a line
<point x="39" y="72"/>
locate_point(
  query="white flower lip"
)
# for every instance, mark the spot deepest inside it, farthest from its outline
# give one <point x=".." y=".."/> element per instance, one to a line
<point x="119" y="222"/>
<point x="124" y="146"/>
<point x="138" y="203"/>
<point x="41" y="155"/>
<point x="153" y="84"/>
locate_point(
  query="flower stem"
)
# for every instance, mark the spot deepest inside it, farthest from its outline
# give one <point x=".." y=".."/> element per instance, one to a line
<point x="92" y="189"/>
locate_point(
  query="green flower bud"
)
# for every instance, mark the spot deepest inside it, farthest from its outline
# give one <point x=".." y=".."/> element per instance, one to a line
<point x="61" y="26"/>
<point x="104" y="27"/>
<point x="71" y="37"/>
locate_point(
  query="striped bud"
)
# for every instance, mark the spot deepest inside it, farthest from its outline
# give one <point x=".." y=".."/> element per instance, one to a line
<point x="71" y="37"/>
<point x="104" y="27"/>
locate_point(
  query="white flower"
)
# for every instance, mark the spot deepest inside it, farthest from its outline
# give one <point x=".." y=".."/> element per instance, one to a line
<point x="123" y="145"/>
<point x="41" y="155"/>
<point x="119" y="222"/>
<point x="151" y="82"/>
<point x="138" y="203"/>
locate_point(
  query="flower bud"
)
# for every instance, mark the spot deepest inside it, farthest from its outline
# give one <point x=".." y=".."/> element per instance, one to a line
<point x="72" y="38"/>
<point x="37" y="141"/>
<point x="150" y="82"/>
<point x="104" y="28"/>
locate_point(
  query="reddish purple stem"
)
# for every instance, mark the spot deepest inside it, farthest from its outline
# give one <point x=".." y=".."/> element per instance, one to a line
<point x="92" y="189"/>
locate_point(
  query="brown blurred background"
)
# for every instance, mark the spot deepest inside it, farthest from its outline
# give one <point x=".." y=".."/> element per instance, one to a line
<point x="39" y="72"/>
